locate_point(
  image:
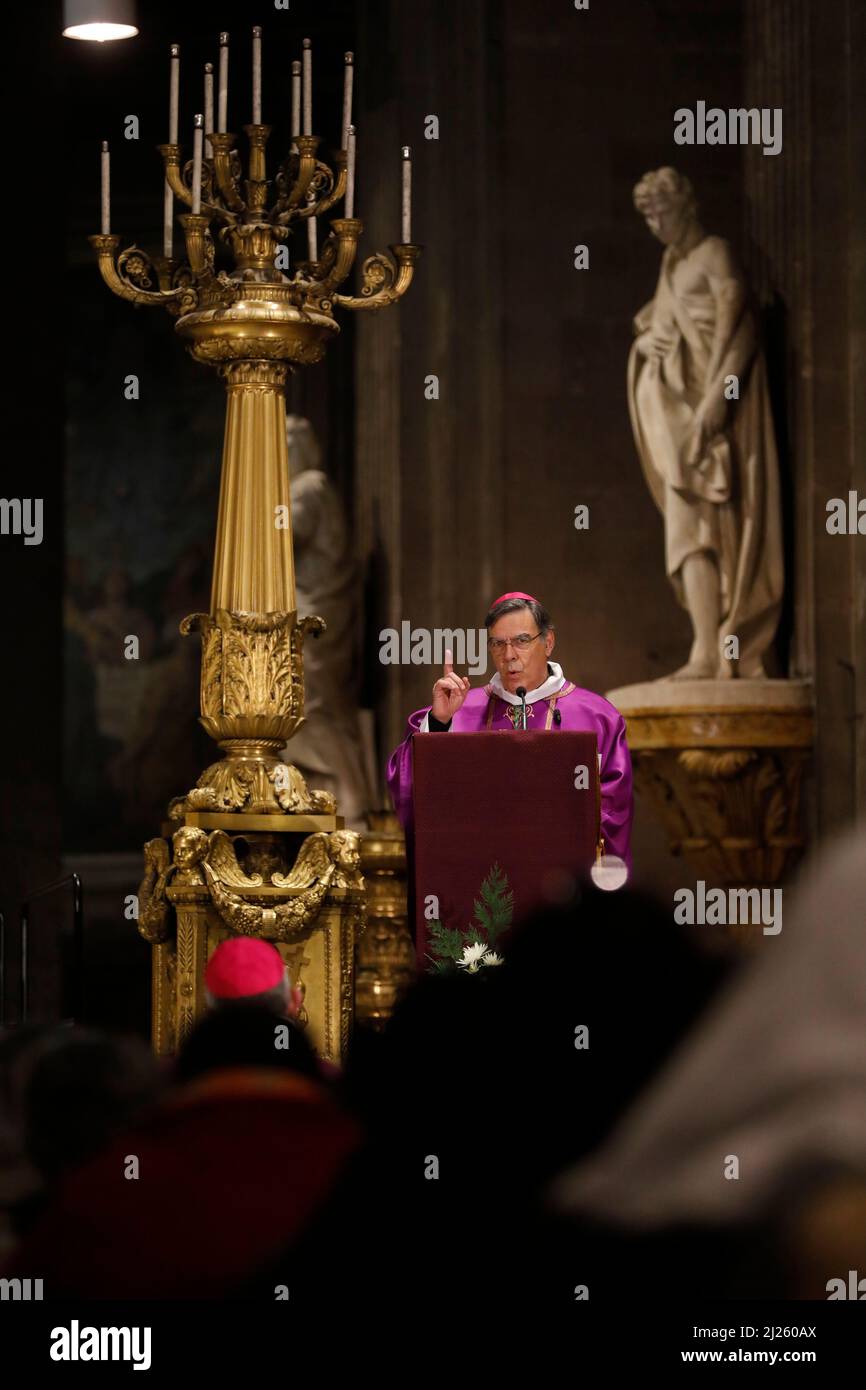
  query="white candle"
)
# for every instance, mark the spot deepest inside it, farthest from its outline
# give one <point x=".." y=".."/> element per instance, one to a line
<point x="407" y="195"/>
<point x="196" y="163"/>
<point x="350" y="172"/>
<point x="257" y="74"/>
<point x="348" y="76"/>
<point x="168" y="222"/>
<point x="174" y="94"/>
<point x="296" y="99"/>
<point x="208" y="98"/>
<point x="312" y="233"/>
<point x="105" y="222"/>
<point x="222" y="112"/>
<point x="308" y="87"/>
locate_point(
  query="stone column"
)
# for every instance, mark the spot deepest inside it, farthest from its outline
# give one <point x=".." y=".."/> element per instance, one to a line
<point x="805" y="243"/>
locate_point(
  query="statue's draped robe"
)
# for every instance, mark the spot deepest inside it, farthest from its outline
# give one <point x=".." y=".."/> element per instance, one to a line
<point x="328" y="749"/>
<point x="726" y="502"/>
<point x="579" y="710"/>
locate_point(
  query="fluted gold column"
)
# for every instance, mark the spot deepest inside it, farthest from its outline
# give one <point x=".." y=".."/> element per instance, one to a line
<point x="253" y="563"/>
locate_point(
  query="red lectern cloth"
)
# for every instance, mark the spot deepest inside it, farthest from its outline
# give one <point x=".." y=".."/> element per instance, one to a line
<point x="482" y="800"/>
<point x="579" y="710"/>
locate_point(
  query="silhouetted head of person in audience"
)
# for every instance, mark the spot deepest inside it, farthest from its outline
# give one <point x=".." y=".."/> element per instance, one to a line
<point x="85" y="1086"/>
<point x="244" y="970"/>
<point x="520" y="1068"/>
<point x="20" y="1050"/>
<point x="492" y="1082"/>
<point x="774" y="1076"/>
<point x="616" y="985"/>
<point x="233" y="1163"/>
<point x="246" y="1035"/>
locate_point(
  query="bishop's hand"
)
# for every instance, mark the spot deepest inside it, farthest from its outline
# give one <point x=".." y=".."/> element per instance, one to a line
<point x="449" y="692"/>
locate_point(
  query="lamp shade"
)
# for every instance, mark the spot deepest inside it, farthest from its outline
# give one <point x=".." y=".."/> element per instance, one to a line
<point x="100" y="21"/>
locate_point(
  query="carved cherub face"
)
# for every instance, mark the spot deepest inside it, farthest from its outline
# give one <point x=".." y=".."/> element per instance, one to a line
<point x="190" y="845"/>
<point x="346" y="844"/>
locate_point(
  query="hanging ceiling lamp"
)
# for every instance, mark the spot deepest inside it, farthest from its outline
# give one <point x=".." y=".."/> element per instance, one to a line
<point x="100" y="21"/>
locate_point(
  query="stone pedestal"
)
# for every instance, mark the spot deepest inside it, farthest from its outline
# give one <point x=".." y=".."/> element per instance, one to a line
<point x="722" y="763"/>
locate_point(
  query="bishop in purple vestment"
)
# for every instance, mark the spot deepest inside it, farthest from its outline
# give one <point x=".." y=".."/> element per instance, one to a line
<point x="521" y="640"/>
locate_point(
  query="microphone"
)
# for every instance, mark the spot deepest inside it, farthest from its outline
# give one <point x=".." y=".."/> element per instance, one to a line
<point x="521" y="691"/>
<point x="557" y="718"/>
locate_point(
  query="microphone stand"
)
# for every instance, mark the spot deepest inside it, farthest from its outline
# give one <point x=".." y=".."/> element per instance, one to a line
<point x="521" y="691"/>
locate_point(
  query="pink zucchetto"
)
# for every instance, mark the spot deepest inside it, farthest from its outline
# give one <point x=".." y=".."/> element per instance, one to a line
<point x="502" y="598"/>
<point x="243" y="966"/>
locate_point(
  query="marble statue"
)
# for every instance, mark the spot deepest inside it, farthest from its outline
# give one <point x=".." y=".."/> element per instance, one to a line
<point x="328" y="748"/>
<point x="700" y="411"/>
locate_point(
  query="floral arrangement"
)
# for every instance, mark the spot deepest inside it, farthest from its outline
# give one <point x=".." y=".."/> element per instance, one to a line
<point x="471" y="948"/>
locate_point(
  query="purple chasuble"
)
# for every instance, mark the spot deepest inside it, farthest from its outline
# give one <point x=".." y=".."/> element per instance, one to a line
<point x="579" y="710"/>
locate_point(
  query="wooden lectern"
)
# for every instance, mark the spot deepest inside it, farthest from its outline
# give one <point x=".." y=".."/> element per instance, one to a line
<point x="527" y="802"/>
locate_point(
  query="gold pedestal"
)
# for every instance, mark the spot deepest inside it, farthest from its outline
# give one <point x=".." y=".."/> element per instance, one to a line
<point x="386" y="954"/>
<point x="216" y="885"/>
<point x="320" y="961"/>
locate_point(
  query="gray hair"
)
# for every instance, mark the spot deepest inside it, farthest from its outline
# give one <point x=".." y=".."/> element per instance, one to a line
<point x="514" y="605"/>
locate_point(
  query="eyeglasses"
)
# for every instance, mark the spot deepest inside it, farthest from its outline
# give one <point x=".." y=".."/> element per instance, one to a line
<point x="521" y="642"/>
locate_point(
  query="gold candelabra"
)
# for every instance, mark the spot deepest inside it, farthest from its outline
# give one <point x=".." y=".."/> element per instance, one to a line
<point x="254" y="323"/>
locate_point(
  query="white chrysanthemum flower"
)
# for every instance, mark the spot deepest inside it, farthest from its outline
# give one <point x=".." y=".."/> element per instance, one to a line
<point x="492" y="958"/>
<point x="472" y="955"/>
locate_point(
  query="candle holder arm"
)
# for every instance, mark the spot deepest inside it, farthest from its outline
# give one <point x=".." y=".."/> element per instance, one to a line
<point x="337" y="258"/>
<point x="294" y="190"/>
<point x="128" y="274"/>
<point x="383" y="282"/>
<point x="335" y="189"/>
<point x="182" y="191"/>
<point x="226" y="174"/>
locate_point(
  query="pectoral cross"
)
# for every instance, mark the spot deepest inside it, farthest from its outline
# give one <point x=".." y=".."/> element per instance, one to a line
<point x="515" y="714"/>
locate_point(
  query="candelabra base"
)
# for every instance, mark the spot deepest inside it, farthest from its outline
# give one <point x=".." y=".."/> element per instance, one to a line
<point x="307" y="898"/>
